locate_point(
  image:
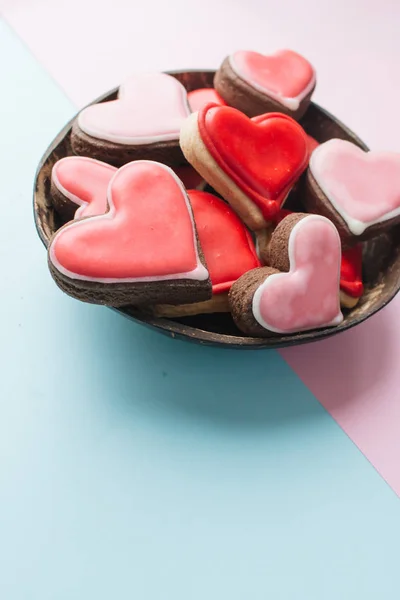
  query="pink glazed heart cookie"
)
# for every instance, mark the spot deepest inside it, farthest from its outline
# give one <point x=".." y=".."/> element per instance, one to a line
<point x="359" y="191"/>
<point x="143" y="250"/>
<point x="351" y="283"/>
<point x="79" y="186"/>
<point x="255" y="83"/>
<point x="300" y="290"/>
<point x="143" y="122"/>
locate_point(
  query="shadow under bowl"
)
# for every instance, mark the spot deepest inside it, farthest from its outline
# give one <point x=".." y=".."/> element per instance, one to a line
<point x="381" y="256"/>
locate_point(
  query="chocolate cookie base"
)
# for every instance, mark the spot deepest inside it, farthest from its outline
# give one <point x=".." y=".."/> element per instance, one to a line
<point x="63" y="205"/>
<point x="241" y="301"/>
<point x="279" y="245"/>
<point x="168" y="153"/>
<point x="238" y="93"/>
<point x="172" y="291"/>
<point x="315" y="201"/>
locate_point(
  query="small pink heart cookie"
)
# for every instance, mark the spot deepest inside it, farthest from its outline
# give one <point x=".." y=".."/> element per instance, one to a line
<point x="79" y="186"/>
<point x="300" y="291"/>
<point x="255" y="83"/>
<point x="359" y="191"/>
<point x="143" y="122"/>
<point x="143" y="250"/>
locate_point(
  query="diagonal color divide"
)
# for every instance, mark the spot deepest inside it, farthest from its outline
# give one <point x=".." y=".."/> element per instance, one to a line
<point x="133" y="466"/>
<point x="356" y="376"/>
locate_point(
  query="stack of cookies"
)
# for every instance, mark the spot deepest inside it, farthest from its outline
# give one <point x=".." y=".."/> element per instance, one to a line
<point x="217" y="200"/>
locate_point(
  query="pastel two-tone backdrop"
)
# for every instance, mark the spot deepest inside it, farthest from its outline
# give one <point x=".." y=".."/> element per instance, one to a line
<point x="135" y="466"/>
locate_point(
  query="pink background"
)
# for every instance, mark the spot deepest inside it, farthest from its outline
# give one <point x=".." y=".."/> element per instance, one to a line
<point x="355" y="46"/>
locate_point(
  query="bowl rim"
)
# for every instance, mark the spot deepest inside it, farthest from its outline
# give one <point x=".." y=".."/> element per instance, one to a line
<point x="176" y="329"/>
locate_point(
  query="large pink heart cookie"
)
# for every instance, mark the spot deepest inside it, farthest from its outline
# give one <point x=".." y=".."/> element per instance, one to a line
<point x="359" y="191"/>
<point x="256" y="83"/>
<point x="143" y="249"/>
<point x="304" y="297"/>
<point x="145" y="118"/>
<point x="79" y="186"/>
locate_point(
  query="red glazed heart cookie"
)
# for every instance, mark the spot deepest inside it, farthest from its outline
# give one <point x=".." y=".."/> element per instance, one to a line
<point x="300" y="291"/>
<point x="359" y="191"/>
<point x="252" y="163"/>
<point x="79" y="186"/>
<point x="143" y="122"/>
<point x="227" y="245"/>
<point x="144" y="249"/>
<point x="351" y="284"/>
<point x="255" y="83"/>
<point x="228" y="250"/>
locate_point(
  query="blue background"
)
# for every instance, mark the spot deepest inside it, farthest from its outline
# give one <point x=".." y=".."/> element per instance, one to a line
<point x="135" y="466"/>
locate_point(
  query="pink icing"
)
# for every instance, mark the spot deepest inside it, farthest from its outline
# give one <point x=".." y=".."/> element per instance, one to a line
<point x="284" y="76"/>
<point x="149" y="109"/>
<point x="84" y="181"/>
<point x="363" y="187"/>
<point x="307" y="297"/>
<point x="147" y="235"/>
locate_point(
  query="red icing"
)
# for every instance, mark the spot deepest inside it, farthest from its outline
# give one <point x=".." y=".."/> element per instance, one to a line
<point x="227" y="245"/>
<point x="84" y="181"/>
<point x="351" y="272"/>
<point x="198" y="99"/>
<point x="189" y="176"/>
<point x="148" y="232"/>
<point x="312" y="143"/>
<point x="351" y="265"/>
<point x="264" y="156"/>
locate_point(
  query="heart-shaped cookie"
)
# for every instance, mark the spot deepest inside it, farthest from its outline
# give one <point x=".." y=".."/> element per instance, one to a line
<point x="256" y="83"/>
<point x="79" y="186"/>
<point x="143" y="122"/>
<point x="351" y="284"/>
<point x="359" y="191"/>
<point x="144" y="249"/>
<point x="252" y="163"/>
<point x="150" y="108"/>
<point x="307" y="296"/>
<point x="227" y="245"/>
<point x="228" y="249"/>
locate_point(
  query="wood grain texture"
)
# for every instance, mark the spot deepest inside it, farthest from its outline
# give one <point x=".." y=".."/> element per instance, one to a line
<point x="381" y="255"/>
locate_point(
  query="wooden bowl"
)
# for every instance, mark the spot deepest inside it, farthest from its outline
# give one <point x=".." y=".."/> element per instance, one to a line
<point x="381" y="257"/>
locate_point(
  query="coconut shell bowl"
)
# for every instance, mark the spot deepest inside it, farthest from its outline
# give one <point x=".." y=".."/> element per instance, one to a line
<point x="381" y="255"/>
